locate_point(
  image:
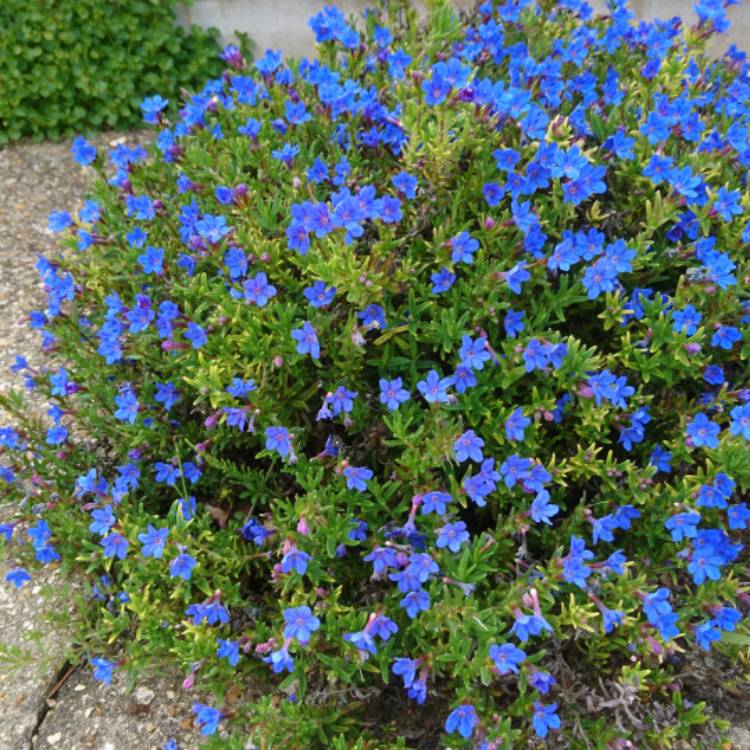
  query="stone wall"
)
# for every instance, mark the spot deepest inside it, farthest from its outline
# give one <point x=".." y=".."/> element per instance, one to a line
<point x="282" y="24"/>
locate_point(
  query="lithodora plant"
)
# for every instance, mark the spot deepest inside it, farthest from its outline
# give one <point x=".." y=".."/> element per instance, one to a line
<point x="410" y="383"/>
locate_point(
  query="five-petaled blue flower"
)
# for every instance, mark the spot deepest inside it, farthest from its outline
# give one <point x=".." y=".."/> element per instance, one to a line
<point x="18" y="577"/>
<point x="507" y="657"/>
<point x="103" y="669"/>
<point x="301" y="623"/>
<point x="307" y="340"/>
<point x="702" y="432"/>
<point x="208" y="718"/>
<point x="357" y="477"/>
<point x="462" y="720"/>
<point x="279" y="439"/>
<point x="392" y="393"/>
<point x="153" y="541"/>
<point x="469" y="447"/>
<point x="545" y="718"/>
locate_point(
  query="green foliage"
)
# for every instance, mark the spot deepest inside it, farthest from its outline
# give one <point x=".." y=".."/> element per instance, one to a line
<point x="71" y="66"/>
<point x="277" y="331"/>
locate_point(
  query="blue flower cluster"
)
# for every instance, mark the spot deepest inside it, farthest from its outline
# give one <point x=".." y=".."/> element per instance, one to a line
<point x="414" y="358"/>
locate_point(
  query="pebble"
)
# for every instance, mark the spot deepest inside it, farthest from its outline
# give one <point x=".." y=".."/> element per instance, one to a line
<point x="143" y="695"/>
<point x="53" y="739"/>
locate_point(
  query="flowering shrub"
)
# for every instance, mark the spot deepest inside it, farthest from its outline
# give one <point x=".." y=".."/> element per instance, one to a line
<point x="413" y="380"/>
<point x="69" y="65"/>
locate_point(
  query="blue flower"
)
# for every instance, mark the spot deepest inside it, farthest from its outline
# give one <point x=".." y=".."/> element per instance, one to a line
<point x="452" y="535"/>
<point x="83" y="152"/>
<point x="383" y="627"/>
<point x="525" y="626"/>
<point x="435" y="502"/>
<point x="415" y="602"/>
<point x="103" y="669"/>
<point x="707" y="633"/>
<point x="140" y="206"/>
<point x="725" y="337"/>
<point x="236" y="262"/>
<point x="258" y="290"/>
<point x="507" y="657"/>
<point x="251" y="128"/>
<point x="683" y="526"/>
<point x="115" y="545"/>
<point x="152" y="259"/>
<point x="727" y="203"/>
<point x="208" y="718"/>
<point x="59" y="221"/>
<point x="357" y="477"/>
<point x="462" y="720"/>
<point x="740" y="424"/>
<point x="240" y="388"/>
<point x="514" y="322"/>
<point x="382" y="558"/>
<point x="469" y="447"/>
<point x="392" y="393"/>
<point x="542" y="681"/>
<point x="319" y="295"/>
<point x="406" y="184"/>
<point x="56" y="435"/>
<point x="738" y="516"/>
<point x="406" y="669"/>
<point x="474" y="352"/>
<point x="286" y="153"/>
<point x="686" y="321"/>
<point x="373" y="317"/>
<point x="278" y="439"/>
<point x="701" y="431"/>
<point x="151" y="107"/>
<point x="182" y="566"/>
<point x="295" y="560"/>
<point x="18" y="577"/>
<point x="307" y="340"/>
<point x="153" y="541"/>
<point x="363" y="641"/>
<point x="434" y="389"/>
<point x="280" y="660"/>
<point x="196" y="335"/>
<point x="542" y="509"/>
<point x="436" y="89"/>
<point x="599" y="277"/>
<point x="516" y="424"/>
<point x="166" y="394"/>
<point x="301" y="623"/>
<point x="127" y="404"/>
<point x="705" y="563"/>
<point x="228" y="650"/>
<point x="464" y="246"/>
<point x="516" y="276"/>
<point x="545" y="718"/>
<point x="442" y="281"/>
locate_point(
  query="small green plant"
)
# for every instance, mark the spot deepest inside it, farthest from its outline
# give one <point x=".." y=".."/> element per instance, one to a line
<point x="69" y="66"/>
<point x="405" y="392"/>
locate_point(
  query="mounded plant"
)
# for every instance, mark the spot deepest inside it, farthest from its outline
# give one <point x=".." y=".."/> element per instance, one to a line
<point x="405" y="391"/>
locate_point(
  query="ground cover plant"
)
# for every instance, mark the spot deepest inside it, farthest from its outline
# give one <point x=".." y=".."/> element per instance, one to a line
<point x="401" y="396"/>
<point x="68" y="66"/>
